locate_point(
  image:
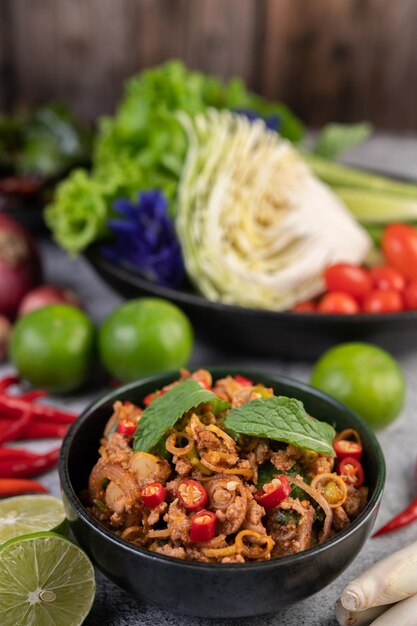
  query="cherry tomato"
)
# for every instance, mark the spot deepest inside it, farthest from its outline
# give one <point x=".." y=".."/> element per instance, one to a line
<point x="386" y="277"/>
<point x="399" y="244"/>
<point x="337" y="302"/>
<point x="271" y="494"/>
<point x="192" y="495"/>
<point x="410" y="295"/>
<point x="383" y="301"/>
<point x="153" y="494"/>
<point x="203" y="526"/>
<point x="344" y="448"/>
<point x="347" y="278"/>
<point x="309" y="306"/>
<point x="352" y="471"/>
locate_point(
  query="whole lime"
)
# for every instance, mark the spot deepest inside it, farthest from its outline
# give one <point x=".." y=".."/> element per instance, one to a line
<point x="145" y="336"/>
<point x="53" y="347"/>
<point x="364" y="377"/>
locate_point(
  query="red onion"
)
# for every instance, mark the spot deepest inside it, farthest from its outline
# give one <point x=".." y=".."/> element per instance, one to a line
<point x="47" y="294"/>
<point x="20" y="265"/>
<point x="5" y="332"/>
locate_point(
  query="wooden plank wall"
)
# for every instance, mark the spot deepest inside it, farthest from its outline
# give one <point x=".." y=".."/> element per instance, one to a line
<point x="328" y="59"/>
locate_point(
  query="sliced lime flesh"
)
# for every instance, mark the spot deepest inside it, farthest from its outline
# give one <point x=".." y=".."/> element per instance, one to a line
<point x="23" y="515"/>
<point x="45" y="580"/>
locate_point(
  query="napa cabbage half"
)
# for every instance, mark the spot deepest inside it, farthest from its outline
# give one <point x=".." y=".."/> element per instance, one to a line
<point x="257" y="228"/>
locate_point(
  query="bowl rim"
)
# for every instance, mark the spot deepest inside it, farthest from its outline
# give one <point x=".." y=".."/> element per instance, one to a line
<point x="197" y="300"/>
<point x="72" y="497"/>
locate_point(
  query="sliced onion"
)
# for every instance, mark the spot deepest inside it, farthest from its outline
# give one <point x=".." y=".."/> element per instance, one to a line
<point x="320" y="481"/>
<point x="254" y="552"/>
<point x="170" y="444"/>
<point x="122" y="478"/>
<point x="230" y="443"/>
<point x="321" y="501"/>
<point x="159" y="534"/>
<point x="216" y="553"/>
<point x="238" y="471"/>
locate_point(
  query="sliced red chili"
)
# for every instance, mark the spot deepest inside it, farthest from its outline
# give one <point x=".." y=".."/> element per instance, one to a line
<point x="153" y="494"/>
<point x="271" y="494"/>
<point x="344" y="448"/>
<point x="351" y="471"/>
<point x="192" y="495"/>
<point x="126" y="427"/>
<point x="151" y="396"/>
<point x="203" y="526"/>
<point x="242" y="380"/>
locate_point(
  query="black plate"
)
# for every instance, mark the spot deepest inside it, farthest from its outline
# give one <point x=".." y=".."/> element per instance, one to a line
<point x="300" y="335"/>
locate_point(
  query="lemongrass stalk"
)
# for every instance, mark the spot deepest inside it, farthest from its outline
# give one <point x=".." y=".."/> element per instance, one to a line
<point x="357" y="618"/>
<point x="336" y="175"/>
<point x="402" y="614"/>
<point x="377" y="207"/>
<point x="388" y="581"/>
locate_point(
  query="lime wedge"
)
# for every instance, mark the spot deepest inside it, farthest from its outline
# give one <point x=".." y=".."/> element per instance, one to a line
<point x="45" y="580"/>
<point x="22" y="515"/>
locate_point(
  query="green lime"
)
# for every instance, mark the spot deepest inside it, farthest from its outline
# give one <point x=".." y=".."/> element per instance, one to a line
<point x="145" y="336"/>
<point x="364" y="377"/>
<point x="45" y="580"/>
<point x="22" y="515"/>
<point x="53" y="347"/>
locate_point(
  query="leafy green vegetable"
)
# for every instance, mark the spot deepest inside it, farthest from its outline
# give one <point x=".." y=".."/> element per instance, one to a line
<point x="287" y="518"/>
<point x="282" y="419"/>
<point x="267" y="471"/>
<point x="335" y="139"/>
<point x="147" y="137"/>
<point x="48" y="142"/>
<point x="166" y="410"/>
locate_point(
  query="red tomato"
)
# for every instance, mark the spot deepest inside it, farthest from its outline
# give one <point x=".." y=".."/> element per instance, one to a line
<point x="410" y="295"/>
<point x="337" y="302"/>
<point x="347" y="278"/>
<point x="386" y="277"/>
<point x="383" y="301"/>
<point x="309" y="306"/>
<point x="399" y="243"/>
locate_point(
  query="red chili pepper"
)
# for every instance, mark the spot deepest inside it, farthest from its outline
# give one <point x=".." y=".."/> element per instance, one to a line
<point x="404" y="518"/>
<point x="344" y="448"/>
<point x="16" y="454"/>
<point x="30" y="396"/>
<point x="242" y="380"/>
<point x="8" y="381"/>
<point x="42" y="430"/>
<point x="192" y="495"/>
<point x="13" y="404"/>
<point x="15" y="428"/>
<point x="203" y="526"/>
<point x="352" y="471"/>
<point x="271" y="494"/>
<point x="126" y="427"/>
<point x="17" y="486"/>
<point x="153" y="494"/>
<point x="203" y="384"/>
<point x="151" y="396"/>
<point x="27" y="468"/>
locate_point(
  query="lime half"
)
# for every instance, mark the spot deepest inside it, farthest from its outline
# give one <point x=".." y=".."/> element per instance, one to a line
<point x="22" y="515"/>
<point x="45" y="580"/>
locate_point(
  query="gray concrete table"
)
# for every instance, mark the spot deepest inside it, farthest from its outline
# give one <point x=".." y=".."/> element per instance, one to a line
<point x="112" y="606"/>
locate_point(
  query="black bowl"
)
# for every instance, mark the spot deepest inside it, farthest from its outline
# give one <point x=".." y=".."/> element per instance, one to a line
<point x="258" y="331"/>
<point x="214" y="590"/>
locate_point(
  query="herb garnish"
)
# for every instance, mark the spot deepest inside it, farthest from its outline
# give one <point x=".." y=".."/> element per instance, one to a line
<point x="166" y="410"/>
<point x="282" y="419"/>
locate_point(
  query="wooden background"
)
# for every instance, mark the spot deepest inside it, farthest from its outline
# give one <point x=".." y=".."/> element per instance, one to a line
<point x="340" y="60"/>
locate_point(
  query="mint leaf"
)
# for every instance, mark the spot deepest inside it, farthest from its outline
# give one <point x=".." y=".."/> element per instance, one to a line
<point x="282" y="419"/>
<point x="337" y="138"/>
<point x="165" y="411"/>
